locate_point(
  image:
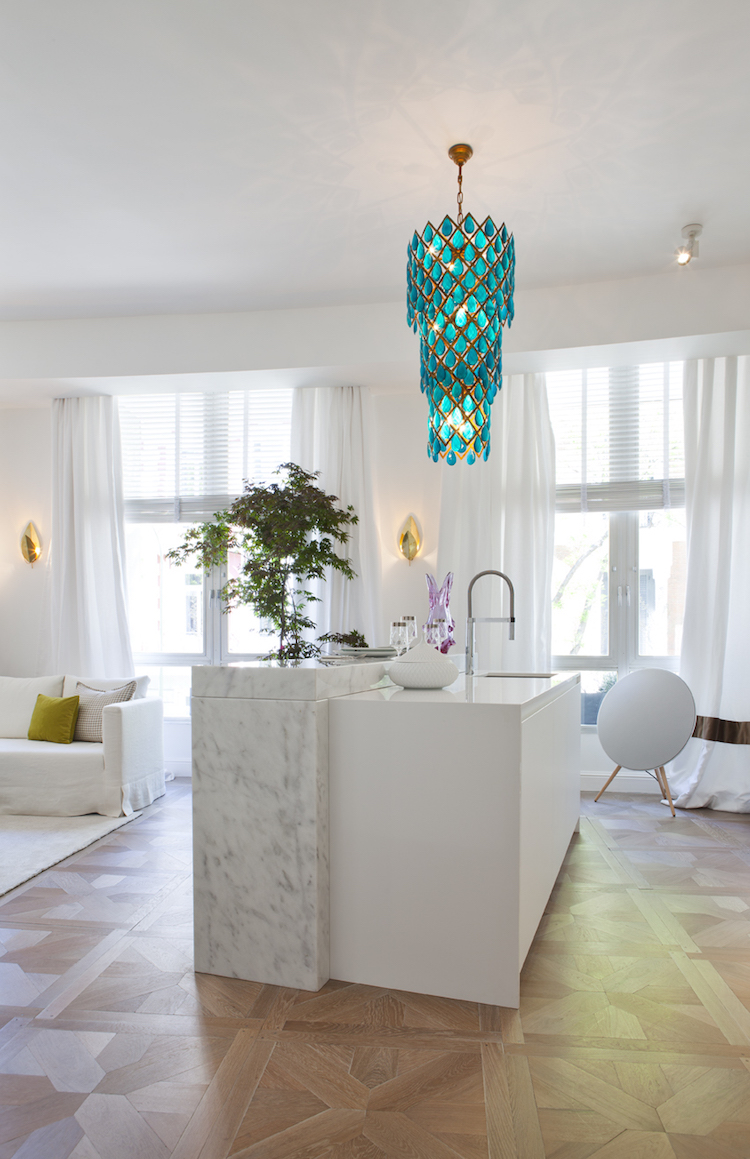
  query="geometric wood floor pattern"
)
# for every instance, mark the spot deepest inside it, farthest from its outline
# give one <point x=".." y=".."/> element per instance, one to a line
<point x="632" y="1041"/>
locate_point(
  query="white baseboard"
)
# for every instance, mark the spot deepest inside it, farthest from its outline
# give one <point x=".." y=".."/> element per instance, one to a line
<point x="592" y="782"/>
<point x="179" y="768"/>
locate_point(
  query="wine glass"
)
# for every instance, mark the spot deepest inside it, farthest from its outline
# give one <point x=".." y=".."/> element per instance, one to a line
<point x="442" y="632"/>
<point x="436" y="632"/>
<point x="399" y="636"/>
<point x="411" y="629"/>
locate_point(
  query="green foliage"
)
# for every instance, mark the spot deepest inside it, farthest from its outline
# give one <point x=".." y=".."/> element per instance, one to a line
<point x="352" y="639"/>
<point x="287" y="535"/>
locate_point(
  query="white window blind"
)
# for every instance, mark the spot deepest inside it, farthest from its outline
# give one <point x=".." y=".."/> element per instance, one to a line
<point x="619" y="440"/>
<point x="186" y="456"/>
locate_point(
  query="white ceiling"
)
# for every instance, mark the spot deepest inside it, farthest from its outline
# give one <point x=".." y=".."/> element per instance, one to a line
<point x="166" y="156"/>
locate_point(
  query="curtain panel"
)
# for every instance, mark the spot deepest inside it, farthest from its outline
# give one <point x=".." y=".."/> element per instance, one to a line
<point x="713" y="770"/>
<point x="89" y="627"/>
<point x="501" y="515"/>
<point x="331" y="434"/>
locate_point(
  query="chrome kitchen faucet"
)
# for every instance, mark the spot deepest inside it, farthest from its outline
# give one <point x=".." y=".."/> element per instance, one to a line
<point x="471" y="620"/>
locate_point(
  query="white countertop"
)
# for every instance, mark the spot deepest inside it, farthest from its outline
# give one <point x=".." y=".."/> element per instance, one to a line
<point x="529" y="692"/>
<point x="369" y="681"/>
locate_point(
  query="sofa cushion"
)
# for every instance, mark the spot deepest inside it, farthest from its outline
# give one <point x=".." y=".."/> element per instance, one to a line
<point x="92" y="705"/>
<point x="54" y="719"/>
<point x="18" y="698"/>
<point x="106" y="684"/>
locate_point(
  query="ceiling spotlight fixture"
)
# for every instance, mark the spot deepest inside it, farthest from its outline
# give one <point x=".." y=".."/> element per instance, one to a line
<point x="689" y="250"/>
<point x="460" y="278"/>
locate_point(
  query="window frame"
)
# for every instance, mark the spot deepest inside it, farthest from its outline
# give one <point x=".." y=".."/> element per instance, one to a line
<point x="189" y="508"/>
<point x="623" y="610"/>
<point x="215" y="649"/>
<point x="623" y="613"/>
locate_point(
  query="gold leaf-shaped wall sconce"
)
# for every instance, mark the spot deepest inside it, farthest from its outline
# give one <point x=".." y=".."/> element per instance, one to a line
<point x="31" y="547"/>
<point x="409" y="539"/>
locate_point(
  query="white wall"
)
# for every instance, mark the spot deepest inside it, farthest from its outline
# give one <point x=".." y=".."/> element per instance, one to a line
<point x="25" y="488"/>
<point x="694" y="311"/>
<point x="178" y="757"/>
<point x="596" y="768"/>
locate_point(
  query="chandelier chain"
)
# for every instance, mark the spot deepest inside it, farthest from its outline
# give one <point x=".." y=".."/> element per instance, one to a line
<point x="460" y="196"/>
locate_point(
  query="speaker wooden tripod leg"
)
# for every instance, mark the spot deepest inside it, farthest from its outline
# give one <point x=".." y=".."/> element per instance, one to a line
<point x="659" y="781"/>
<point x="665" y="783"/>
<point x="609" y="782"/>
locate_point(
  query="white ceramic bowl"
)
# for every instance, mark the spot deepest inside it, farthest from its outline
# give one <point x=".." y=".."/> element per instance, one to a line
<point x="423" y="667"/>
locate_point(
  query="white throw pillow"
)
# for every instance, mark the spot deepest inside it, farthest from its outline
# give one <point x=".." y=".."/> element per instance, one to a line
<point x="18" y="699"/>
<point x="91" y="706"/>
<point x="106" y="684"/>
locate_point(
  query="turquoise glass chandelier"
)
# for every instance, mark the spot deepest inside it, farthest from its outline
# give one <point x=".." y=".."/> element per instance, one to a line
<point x="459" y="296"/>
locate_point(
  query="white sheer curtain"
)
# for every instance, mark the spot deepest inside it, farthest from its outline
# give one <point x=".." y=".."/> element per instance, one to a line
<point x="714" y="768"/>
<point x="330" y="434"/>
<point x="501" y="515"/>
<point x="89" y="628"/>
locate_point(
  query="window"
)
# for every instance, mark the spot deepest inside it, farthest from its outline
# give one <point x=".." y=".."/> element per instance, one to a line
<point x="185" y="456"/>
<point x="618" y="584"/>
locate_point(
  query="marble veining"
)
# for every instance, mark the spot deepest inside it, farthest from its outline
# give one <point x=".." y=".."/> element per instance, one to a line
<point x="310" y="681"/>
<point x="261" y="839"/>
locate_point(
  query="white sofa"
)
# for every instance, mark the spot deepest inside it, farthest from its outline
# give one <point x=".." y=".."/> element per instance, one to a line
<point x="115" y="778"/>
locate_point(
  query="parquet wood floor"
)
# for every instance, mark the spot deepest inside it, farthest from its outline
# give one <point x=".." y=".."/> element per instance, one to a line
<point x="632" y="1041"/>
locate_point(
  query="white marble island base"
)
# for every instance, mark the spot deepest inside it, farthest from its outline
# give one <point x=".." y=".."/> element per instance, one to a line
<point x="260" y="819"/>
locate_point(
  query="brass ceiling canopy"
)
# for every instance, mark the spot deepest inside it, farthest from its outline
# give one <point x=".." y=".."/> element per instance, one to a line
<point x="460" y="154"/>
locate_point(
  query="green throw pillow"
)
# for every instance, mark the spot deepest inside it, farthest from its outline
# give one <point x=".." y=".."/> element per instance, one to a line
<point x="54" y="718"/>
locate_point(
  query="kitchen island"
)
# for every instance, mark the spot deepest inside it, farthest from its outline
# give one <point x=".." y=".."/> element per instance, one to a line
<point x="347" y="828"/>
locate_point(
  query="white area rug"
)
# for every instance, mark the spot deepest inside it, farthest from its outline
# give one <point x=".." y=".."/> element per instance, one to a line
<point x="29" y="845"/>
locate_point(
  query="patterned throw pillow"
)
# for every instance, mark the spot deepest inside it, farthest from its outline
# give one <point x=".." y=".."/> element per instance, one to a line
<point x="89" y="725"/>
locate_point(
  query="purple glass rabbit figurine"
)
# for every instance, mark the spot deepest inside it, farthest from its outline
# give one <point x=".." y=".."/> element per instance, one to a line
<point x="440" y="610"/>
